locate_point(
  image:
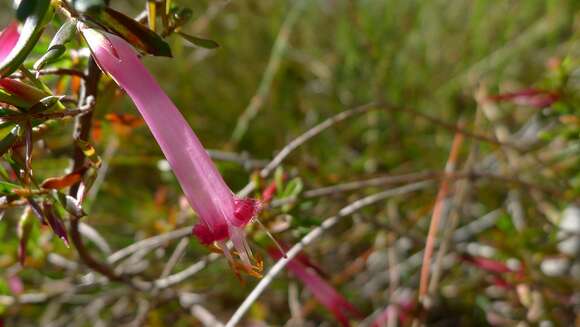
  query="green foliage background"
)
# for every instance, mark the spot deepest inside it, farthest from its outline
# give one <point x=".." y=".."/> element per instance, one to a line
<point x="431" y="56"/>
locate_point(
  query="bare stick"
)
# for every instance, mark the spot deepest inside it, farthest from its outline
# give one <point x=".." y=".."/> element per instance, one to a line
<point x="186" y="273"/>
<point x="436" y="218"/>
<point x="149" y="243"/>
<point x="174" y="259"/>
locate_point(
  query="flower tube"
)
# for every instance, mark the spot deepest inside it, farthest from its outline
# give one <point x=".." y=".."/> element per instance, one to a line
<point x="303" y="269"/>
<point x="222" y="215"/>
<point x="8" y="39"/>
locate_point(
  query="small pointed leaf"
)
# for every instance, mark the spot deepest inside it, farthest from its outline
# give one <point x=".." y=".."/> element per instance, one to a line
<point x="55" y="222"/>
<point x="200" y="42"/>
<point x="57" y="46"/>
<point x="132" y="31"/>
<point x="44" y="104"/>
<point x="8" y="140"/>
<point x="6" y="188"/>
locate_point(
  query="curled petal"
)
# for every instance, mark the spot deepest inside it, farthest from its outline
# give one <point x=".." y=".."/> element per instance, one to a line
<point x="207" y="235"/>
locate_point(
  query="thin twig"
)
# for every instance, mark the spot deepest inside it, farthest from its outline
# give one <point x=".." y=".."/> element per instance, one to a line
<point x="436" y="218"/>
<point x="312" y="132"/>
<point x="175" y="257"/>
<point x="149" y="243"/>
<point x="463" y="188"/>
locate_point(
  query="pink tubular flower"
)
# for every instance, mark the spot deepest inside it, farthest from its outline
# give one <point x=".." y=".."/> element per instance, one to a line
<point x="322" y="291"/>
<point x="222" y="215"/>
<point x="8" y="39"/>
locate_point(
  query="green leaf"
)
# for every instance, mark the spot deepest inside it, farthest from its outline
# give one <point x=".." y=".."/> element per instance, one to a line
<point x="57" y="46"/>
<point x="29" y="34"/>
<point x="11" y="99"/>
<point x="197" y="41"/>
<point x="8" y="140"/>
<point x="6" y="188"/>
<point x="44" y="104"/>
<point x="293" y="188"/>
<point x="132" y="31"/>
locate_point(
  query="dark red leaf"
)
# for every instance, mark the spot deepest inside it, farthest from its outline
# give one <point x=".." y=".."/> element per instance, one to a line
<point x="532" y="97"/>
<point x="55" y="223"/>
<point x="58" y="183"/>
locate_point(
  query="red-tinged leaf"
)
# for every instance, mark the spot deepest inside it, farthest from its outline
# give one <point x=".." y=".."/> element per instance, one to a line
<point x="55" y="222"/>
<point x="300" y="257"/>
<point x="58" y="183"/>
<point x="532" y="97"/>
<point x="9" y="139"/>
<point x="132" y="31"/>
<point x="486" y="264"/>
<point x="500" y="282"/>
<point x="20" y="94"/>
<point x="268" y="193"/>
<point x="36" y="209"/>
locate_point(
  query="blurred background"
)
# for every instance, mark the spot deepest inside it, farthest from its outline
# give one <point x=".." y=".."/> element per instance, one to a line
<point x="284" y="66"/>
